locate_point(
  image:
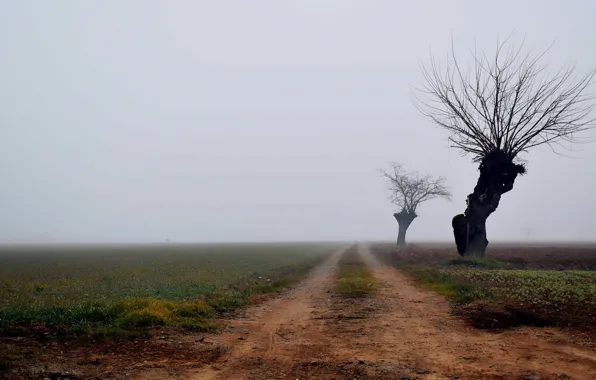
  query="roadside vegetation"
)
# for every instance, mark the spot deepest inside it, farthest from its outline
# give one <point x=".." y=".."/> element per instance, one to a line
<point x="99" y="291"/>
<point x="354" y="278"/>
<point x="493" y="293"/>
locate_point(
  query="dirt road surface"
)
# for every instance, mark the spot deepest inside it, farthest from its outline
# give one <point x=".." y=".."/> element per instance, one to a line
<point x="402" y="332"/>
<point x="423" y="331"/>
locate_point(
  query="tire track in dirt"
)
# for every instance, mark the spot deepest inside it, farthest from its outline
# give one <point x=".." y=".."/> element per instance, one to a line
<point x="423" y="334"/>
<point x="278" y="333"/>
<point x="307" y="333"/>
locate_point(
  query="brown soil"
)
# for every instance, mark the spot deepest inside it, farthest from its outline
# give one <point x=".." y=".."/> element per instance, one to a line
<point x="402" y="332"/>
<point x="425" y="332"/>
<point x="523" y="256"/>
<point x="500" y="313"/>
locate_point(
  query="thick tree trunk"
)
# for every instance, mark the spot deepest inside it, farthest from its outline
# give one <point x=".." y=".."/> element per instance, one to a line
<point x="401" y="235"/>
<point x="476" y="232"/>
<point x="460" y="232"/>
<point x="497" y="175"/>
<point x="404" y="219"/>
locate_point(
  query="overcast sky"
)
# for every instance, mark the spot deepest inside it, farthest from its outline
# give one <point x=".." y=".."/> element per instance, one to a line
<point x="141" y="120"/>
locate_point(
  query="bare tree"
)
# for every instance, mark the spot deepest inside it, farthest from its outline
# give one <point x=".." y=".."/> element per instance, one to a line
<point x="496" y="109"/>
<point x="408" y="191"/>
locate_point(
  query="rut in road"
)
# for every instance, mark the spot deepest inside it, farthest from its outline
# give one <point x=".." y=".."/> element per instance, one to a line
<point x="402" y="331"/>
<point x="422" y="330"/>
<point x="308" y="333"/>
<point x="279" y="333"/>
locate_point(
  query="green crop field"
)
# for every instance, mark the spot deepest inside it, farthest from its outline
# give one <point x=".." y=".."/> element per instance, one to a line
<point x="126" y="288"/>
<point x="514" y="285"/>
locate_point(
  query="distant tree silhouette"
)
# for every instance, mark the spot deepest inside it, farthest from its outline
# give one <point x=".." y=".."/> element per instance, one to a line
<point x="408" y="191"/>
<point x="495" y="110"/>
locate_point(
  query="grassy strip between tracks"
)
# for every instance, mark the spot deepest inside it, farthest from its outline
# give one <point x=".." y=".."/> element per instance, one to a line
<point x="354" y="278"/>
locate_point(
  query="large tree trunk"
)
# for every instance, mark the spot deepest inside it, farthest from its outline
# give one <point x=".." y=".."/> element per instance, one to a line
<point x="476" y="228"/>
<point x="404" y="219"/>
<point x="497" y="175"/>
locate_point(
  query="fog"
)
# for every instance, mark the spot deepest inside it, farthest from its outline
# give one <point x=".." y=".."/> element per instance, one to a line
<point x="143" y="120"/>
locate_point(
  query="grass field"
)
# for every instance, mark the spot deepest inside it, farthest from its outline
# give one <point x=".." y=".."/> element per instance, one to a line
<point x="513" y="285"/>
<point x="104" y="290"/>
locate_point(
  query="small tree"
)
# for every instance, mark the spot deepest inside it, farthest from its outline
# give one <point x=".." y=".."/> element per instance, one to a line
<point x="501" y="108"/>
<point x="408" y="191"/>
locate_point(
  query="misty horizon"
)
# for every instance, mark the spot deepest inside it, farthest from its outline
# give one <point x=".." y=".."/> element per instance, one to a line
<point x="137" y="122"/>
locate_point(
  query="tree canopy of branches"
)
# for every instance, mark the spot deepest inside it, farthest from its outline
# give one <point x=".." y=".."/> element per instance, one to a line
<point x="495" y="109"/>
<point x="408" y="191"/>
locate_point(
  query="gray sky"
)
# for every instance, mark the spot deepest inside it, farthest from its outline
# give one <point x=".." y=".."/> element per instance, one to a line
<point x="142" y="120"/>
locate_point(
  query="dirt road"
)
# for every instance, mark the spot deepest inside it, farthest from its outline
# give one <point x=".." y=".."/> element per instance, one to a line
<point x="423" y="331"/>
<point x="402" y="332"/>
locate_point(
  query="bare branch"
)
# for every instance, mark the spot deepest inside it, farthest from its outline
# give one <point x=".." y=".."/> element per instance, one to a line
<point x="410" y="189"/>
<point x="506" y="103"/>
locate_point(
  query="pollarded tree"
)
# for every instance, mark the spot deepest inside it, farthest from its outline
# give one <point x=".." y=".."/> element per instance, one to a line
<point x="496" y="110"/>
<point x="408" y="191"/>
